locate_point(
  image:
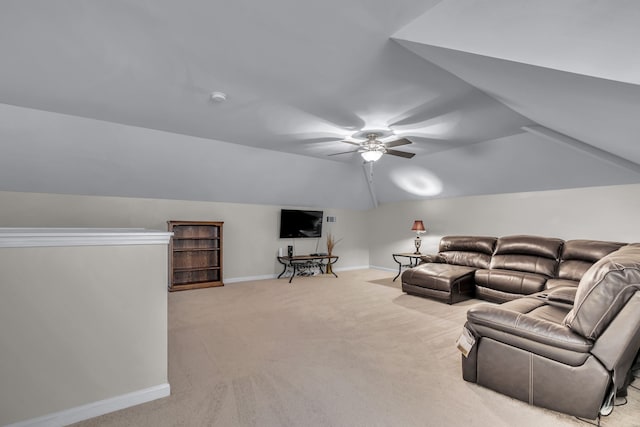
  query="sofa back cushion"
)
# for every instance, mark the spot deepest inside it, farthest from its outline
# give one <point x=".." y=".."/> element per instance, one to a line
<point x="470" y="251"/>
<point x="603" y="290"/>
<point x="533" y="254"/>
<point x="579" y="255"/>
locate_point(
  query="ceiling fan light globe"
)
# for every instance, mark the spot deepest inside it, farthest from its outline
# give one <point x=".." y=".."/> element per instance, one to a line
<point x="371" y="156"/>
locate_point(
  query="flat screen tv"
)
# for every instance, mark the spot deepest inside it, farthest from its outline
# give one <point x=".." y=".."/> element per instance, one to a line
<point x="299" y="223"/>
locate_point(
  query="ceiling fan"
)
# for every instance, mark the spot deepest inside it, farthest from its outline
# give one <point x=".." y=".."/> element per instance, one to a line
<point x="372" y="149"/>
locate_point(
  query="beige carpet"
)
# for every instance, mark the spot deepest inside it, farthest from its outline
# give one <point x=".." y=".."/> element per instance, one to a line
<point x="353" y="351"/>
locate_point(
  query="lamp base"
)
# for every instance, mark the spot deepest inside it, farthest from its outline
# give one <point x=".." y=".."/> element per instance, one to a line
<point x="417" y="242"/>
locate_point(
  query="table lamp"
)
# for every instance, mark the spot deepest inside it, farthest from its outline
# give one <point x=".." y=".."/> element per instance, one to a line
<point x="418" y="227"/>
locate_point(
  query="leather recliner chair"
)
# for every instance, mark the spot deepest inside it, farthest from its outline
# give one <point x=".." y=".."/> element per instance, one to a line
<point x="552" y="351"/>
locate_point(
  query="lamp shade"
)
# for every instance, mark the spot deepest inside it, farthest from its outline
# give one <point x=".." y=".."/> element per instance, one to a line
<point x="418" y="226"/>
<point x="371" y="155"/>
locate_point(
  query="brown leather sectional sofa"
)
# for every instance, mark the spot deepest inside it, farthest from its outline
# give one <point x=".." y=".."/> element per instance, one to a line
<point x="502" y="269"/>
<point x="568" y="332"/>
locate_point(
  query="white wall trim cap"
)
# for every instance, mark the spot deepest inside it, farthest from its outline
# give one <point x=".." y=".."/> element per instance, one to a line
<point x="42" y="237"/>
<point x="95" y="409"/>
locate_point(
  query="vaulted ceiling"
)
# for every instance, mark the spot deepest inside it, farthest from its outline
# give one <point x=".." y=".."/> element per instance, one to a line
<point x="113" y="98"/>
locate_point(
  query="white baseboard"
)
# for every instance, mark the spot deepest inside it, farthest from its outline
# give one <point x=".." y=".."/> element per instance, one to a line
<point x="357" y="267"/>
<point x="94" y="409"/>
<point x="250" y="278"/>
<point x="375" y="267"/>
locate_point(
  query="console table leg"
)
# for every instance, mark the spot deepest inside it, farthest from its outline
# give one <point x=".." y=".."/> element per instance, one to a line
<point x="330" y="268"/>
<point x="394" y="279"/>
<point x="294" y="271"/>
<point x="399" y="269"/>
<point x="283" y="270"/>
<point x="414" y="260"/>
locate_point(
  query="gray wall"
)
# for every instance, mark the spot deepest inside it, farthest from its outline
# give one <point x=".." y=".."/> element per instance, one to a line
<point x="79" y="325"/>
<point x="251" y="231"/>
<point x="603" y="213"/>
<point x="369" y="237"/>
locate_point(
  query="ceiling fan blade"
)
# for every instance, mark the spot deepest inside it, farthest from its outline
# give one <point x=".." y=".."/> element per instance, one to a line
<point x="344" y="152"/>
<point x="401" y="154"/>
<point x="353" y="143"/>
<point x="398" y="142"/>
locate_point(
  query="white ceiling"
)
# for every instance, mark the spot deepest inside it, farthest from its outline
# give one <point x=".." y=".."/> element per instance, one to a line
<point x="460" y="78"/>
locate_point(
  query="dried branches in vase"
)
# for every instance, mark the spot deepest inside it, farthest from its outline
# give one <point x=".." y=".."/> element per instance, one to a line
<point x="331" y="242"/>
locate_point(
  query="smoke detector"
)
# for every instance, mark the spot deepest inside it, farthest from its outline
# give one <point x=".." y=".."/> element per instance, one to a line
<point x="218" y="96"/>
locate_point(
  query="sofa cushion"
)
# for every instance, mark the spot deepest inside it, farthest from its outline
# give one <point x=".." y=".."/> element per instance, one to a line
<point x="513" y="282"/>
<point x="528" y="263"/>
<point x="493" y="295"/>
<point x="532" y="254"/>
<point x="604" y="289"/>
<point x="482" y="244"/>
<point x="562" y="295"/>
<point x="579" y="255"/>
<point x="554" y="283"/>
<point x="430" y="258"/>
<point x="547" y="247"/>
<point x="468" y="259"/>
<point x="471" y="251"/>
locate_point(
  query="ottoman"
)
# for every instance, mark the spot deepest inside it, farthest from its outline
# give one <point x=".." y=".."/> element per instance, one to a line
<point x="447" y="282"/>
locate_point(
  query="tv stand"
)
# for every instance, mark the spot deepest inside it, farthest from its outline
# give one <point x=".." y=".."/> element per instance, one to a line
<point x="297" y="263"/>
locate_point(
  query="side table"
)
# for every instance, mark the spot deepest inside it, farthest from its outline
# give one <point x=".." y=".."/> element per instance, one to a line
<point x="414" y="259"/>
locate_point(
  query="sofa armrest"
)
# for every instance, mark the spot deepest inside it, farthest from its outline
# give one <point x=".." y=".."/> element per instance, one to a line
<point x="521" y="325"/>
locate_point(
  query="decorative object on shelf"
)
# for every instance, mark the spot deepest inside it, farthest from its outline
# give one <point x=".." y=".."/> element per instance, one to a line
<point x="331" y="243"/>
<point x="418" y="227"/>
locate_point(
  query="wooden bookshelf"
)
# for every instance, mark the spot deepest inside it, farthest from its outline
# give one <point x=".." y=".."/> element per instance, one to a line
<point x="195" y="255"/>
